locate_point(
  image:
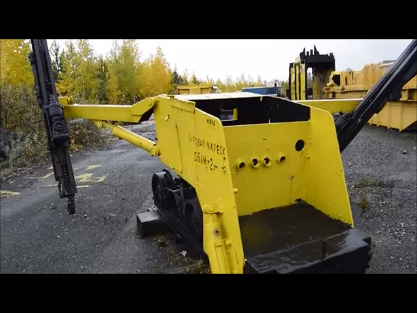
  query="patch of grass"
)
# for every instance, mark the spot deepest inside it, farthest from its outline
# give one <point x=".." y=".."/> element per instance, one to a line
<point x="369" y="183"/>
<point x="20" y="114"/>
<point x="364" y="202"/>
<point x="85" y="135"/>
<point x="26" y="151"/>
<point x="32" y="149"/>
<point x="177" y="262"/>
<point x="199" y="267"/>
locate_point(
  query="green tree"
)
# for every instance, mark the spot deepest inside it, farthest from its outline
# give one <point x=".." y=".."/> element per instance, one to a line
<point x="14" y="65"/>
<point x="86" y="81"/>
<point x="54" y="52"/>
<point x="112" y="90"/>
<point x="177" y="80"/>
<point x="66" y="85"/>
<point x="124" y="61"/>
<point x="102" y="77"/>
<point x="194" y="80"/>
<point x="155" y="76"/>
<point x="79" y="72"/>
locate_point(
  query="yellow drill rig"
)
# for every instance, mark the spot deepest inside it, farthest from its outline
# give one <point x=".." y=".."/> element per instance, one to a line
<point x="262" y="192"/>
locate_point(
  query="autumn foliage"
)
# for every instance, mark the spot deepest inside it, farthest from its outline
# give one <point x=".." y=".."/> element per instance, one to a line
<point x="123" y="76"/>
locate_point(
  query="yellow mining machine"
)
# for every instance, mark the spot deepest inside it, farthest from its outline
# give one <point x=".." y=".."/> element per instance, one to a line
<point x="263" y="192"/>
<point x="197" y="89"/>
<point x="327" y="83"/>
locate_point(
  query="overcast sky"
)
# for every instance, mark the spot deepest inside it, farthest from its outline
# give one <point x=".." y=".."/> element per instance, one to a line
<point x="266" y="58"/>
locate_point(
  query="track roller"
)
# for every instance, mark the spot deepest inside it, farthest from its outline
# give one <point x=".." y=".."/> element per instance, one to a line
<point x="162" y="182"/>
<point x="178" y="205"/>
<point x="193" y="217"/>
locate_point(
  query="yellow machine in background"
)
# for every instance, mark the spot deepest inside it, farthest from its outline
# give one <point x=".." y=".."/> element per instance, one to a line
<point x="401" y="115"/>
<point x="326" y="83"/>
<point x="198" y="89"/>
<point x="322" y="66"/>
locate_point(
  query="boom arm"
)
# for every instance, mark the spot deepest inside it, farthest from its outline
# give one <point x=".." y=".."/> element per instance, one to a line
<point x="56" y="126"/>
<point x="387" y="89"/>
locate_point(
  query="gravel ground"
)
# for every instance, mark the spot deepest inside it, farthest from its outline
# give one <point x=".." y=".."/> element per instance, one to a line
<point x="380" y="169"/>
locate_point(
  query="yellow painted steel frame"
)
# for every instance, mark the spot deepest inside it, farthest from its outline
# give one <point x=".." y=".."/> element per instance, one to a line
<point x="396" y="115"/>
<point x="298" y="79"/>
<point x="236" y="170"/>
<point x="401" y="115"/>
<point x="198" y="89"/>
<point x="331" y="105"/>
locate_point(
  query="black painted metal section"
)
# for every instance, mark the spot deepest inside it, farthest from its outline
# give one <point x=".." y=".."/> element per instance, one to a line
<point x="180" y="229"/>
<point x="257" y="110"/>
<point x="347" y="253"/>
<point x="301" y="239"/>
<point x="54" y="120"/>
